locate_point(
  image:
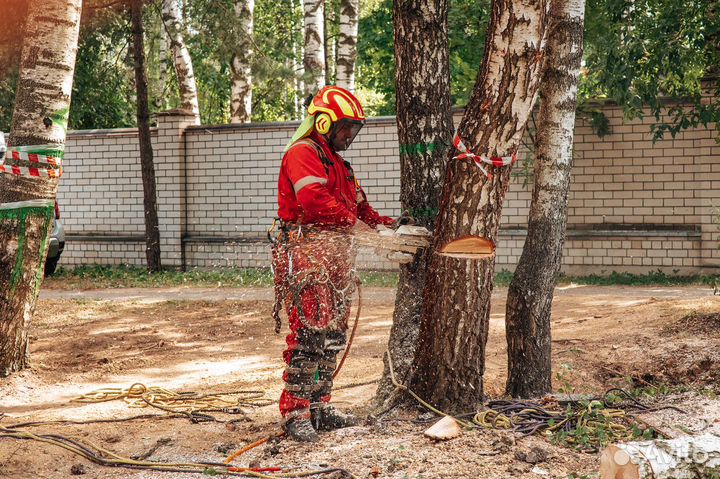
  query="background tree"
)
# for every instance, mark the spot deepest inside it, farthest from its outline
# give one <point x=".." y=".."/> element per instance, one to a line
<point x="650" y="56"/>
<point x="241" y="95"/>
<point x="347" y="43"/>
<point x="529" y="301"/>
<point x="449" y="361"/>
<point x="172" y="19"/>
<point x="152" y="230"/>
<point x="39" y="126"/>
<point x="314" y="54"/>
<point x="424" y="120"/>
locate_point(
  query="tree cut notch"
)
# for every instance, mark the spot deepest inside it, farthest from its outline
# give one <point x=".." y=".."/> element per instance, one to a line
<point x="468" y="247"/>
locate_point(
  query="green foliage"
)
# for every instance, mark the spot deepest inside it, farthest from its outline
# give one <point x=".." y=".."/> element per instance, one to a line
<point x="467" y="24"/>
<point x="103" y="87"/>
<point x="376" y="61"/>
<point x="641" y="52"/>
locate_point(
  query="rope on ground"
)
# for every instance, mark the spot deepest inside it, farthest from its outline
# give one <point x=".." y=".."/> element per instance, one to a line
<point x="190" y="404"/>
<point x="104" y="457"/>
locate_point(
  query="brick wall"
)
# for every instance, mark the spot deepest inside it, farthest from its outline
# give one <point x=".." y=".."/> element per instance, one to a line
<point x="634" y="205"/>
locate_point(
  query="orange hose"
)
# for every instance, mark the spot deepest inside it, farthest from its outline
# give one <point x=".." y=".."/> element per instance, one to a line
<point x="246" y="449"/>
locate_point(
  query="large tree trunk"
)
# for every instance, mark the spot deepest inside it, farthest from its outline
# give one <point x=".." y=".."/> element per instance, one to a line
<point x="241" y="94"/>
<point x="152" y="230"/>
<point x="347" y="43"/>
<point x="42" y="103"/>
<point x="314" y="56"/>
<point x="531" y="290"/>
<point x="450" y="358"/>
<point x="172" y="19"/>
<point x="424" y="119"/>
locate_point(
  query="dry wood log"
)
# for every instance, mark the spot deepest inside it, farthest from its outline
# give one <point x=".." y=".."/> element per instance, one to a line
<point x="469" y="247"/>
<point x="681" y="458"/>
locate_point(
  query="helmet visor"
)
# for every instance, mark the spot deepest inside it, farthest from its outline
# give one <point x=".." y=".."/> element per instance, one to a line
<point x="344" y="132"/>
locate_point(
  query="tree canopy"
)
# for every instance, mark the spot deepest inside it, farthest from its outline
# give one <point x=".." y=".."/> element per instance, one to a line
<point x="638" y="53"/>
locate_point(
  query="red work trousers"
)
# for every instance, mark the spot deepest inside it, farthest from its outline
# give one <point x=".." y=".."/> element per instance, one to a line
<point x="314" y="277"/>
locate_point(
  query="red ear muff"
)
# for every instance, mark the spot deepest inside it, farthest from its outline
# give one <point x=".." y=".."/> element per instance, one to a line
<point x="323" y="123"/>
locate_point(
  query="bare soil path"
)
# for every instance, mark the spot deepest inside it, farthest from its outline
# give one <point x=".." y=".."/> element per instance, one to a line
<point x="219" y="339"/>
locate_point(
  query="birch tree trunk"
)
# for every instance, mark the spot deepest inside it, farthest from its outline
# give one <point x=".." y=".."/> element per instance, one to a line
<point x="531" y="291"/>
<point x="450" y="358"/>
<point x="298" y="71"/>
<point x="152" y="230"/>
<point x="241" y="94"/>
<point x="314" y="55"/>
<point x="424" y="119"/>
<point x="347" y="43"/>
<point x="172" y="19"/>
<point x="42" y="104"/>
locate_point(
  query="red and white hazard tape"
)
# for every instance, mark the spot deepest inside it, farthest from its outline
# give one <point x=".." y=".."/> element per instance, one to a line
<point x="34" y="172"/>
<point x="497" y="161"/>
<point x="20" y="155"/>
<point x="33" y="157"/>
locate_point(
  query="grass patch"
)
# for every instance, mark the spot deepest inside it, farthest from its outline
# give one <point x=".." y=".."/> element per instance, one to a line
<point x="100" y="276"/>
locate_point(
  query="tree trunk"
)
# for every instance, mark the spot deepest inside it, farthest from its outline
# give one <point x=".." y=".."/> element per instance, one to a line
<point x="42" y="104"/>
<point x="172" y="19"/>
<point x="531" y="290"/>
<point x="424" y="119"/>
<point x="314" y="56"/>
<point x="241" y="96"/>
<point x="450" y="358"/>
<point x="152" y="231"/>
<point x="297" y="66"/>
<point x="347" y="43"/>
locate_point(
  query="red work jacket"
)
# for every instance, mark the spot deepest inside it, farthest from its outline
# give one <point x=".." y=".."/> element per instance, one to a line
<point x="318" y="187"/>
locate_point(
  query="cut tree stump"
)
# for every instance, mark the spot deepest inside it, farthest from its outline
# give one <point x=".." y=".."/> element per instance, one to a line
<point x="469" y="247"/>
<point x="681" y="458"/>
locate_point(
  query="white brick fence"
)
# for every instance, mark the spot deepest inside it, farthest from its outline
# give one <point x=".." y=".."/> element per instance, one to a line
<point x="634" y="206"/>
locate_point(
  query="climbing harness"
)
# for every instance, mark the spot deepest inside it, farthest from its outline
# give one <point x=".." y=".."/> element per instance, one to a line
<point x="496" y="161"/>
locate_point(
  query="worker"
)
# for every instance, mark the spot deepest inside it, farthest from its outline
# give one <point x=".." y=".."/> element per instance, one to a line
<point x="320" y="205"/>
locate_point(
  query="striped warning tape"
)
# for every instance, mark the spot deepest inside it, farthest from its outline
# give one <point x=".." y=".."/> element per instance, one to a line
<point x="33" y="157"/>
<point x="497" y="161"/>
<point x="42" y="154"/>
<point x="29" y="171"/>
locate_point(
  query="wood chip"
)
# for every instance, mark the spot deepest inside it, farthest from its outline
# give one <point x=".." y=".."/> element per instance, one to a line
<point x="446" y="428"/>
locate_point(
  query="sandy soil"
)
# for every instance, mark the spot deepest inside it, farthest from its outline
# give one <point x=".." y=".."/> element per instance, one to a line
<point x="186" y="339"/>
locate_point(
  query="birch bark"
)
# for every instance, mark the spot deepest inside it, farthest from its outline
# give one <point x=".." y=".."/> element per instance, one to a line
<point x="314" y="54"/>
<point x="347" y="44"/>
<point x="241" y="94"/>
<point x="42" y="104"/>
<point x="172" y="19"/>
<point x="531" y="291"/>
<point x="450" y="358"/>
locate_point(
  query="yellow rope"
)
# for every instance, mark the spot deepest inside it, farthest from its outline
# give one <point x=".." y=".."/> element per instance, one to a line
<point x="140" y="396"/>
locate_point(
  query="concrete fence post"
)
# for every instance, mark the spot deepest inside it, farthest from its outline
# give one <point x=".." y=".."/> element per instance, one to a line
<point x="170" y="173"/>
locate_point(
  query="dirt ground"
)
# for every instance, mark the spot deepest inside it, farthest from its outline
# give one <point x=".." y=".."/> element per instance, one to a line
<point x="219" y="340"/>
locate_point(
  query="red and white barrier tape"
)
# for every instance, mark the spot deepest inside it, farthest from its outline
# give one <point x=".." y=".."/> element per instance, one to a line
<point x="497" y="161"/>
<point x="34" y="172"/>
<point x="21" y="154"/>
<point x="33" y="157"/>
